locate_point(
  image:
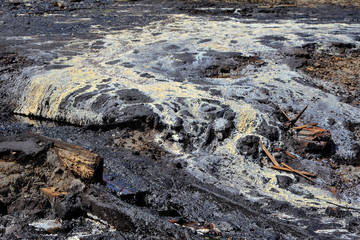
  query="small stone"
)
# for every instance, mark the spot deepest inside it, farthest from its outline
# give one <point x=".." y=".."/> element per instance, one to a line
<point x="248" y="146"/>
<point x="284" y="181"/>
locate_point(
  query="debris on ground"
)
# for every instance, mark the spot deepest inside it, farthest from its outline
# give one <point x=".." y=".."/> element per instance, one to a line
<point x="292" y="122"/>
<point x="206" y="229"/>
<point x="48" y="225"/>
<point x="311" y="138"/>
<point x="36" y="168"/>
<point x="284" y="166"/>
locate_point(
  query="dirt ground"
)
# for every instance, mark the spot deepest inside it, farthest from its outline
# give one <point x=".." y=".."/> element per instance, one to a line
<point x="299" y="2"/>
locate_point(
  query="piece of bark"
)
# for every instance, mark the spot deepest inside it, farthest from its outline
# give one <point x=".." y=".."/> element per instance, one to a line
<point x="81" y="162"/>
<point x="52" y="193"/>
<point x="313" y="139"/>
<point x="315" y="134"/>
<point x="32" y="147"/>
<point x="273" y="160"/>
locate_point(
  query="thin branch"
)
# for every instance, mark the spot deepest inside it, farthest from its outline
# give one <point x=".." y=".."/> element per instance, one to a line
<point x="298" y="172"/>
<point x="269" y="154"/>
<point x="298" y="116"/>
<point x="286" y="115"/>
<point x="289" y="170"/>
<point x="304" y="126"/>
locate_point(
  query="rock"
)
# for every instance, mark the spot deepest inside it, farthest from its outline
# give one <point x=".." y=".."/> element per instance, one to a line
<point x="178" y="124"/>
<point x="21" y="148"/>
<point x="337" y="212"/>
<point x="94" y="203"/>
<point x="3" y="209"/>
<point x="354" y="225"/>
<point x="229" y="114"/>
<point x="270" y="132"/>
<point x="68" y="206"/>
<point x="248" y="146"/>
<point x="223" y="126"/>
<point x="283" y="181"/>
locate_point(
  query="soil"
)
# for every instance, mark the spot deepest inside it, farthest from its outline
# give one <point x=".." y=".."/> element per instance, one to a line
<point x="340" y="68"/>
<point x="174" y="96"/>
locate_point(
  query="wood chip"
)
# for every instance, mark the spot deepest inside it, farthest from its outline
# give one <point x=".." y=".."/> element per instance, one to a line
<point x="277" y="149"/>
<point x="52" y="193"/>
<point x="273" y="160"/>
<point x="344" y="179"/>
<point x="335" y="193"/>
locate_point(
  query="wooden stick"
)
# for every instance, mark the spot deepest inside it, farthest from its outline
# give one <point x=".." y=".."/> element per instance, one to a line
<point x="286" y="115"/>
<point x="269" y="154"/>
<point x="289" y="154"/>
<point x="298" y="116"/>
<point x="304" y="126"/>
<point x="277" y="149"/>
<point x="298" y="172"/>
<point x="289" y="170"/>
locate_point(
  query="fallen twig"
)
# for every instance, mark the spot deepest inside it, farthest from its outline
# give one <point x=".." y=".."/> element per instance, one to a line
<point x="286" y="115"/>
<point x="292" y="122"/>
<point x="298" y="172"/>
<point x="289" y="154"/>
<point x="273" y="160"/>
<point x="304" y="126"/>
<point x="286" y="152"/>
<point x="289" y="170"/>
